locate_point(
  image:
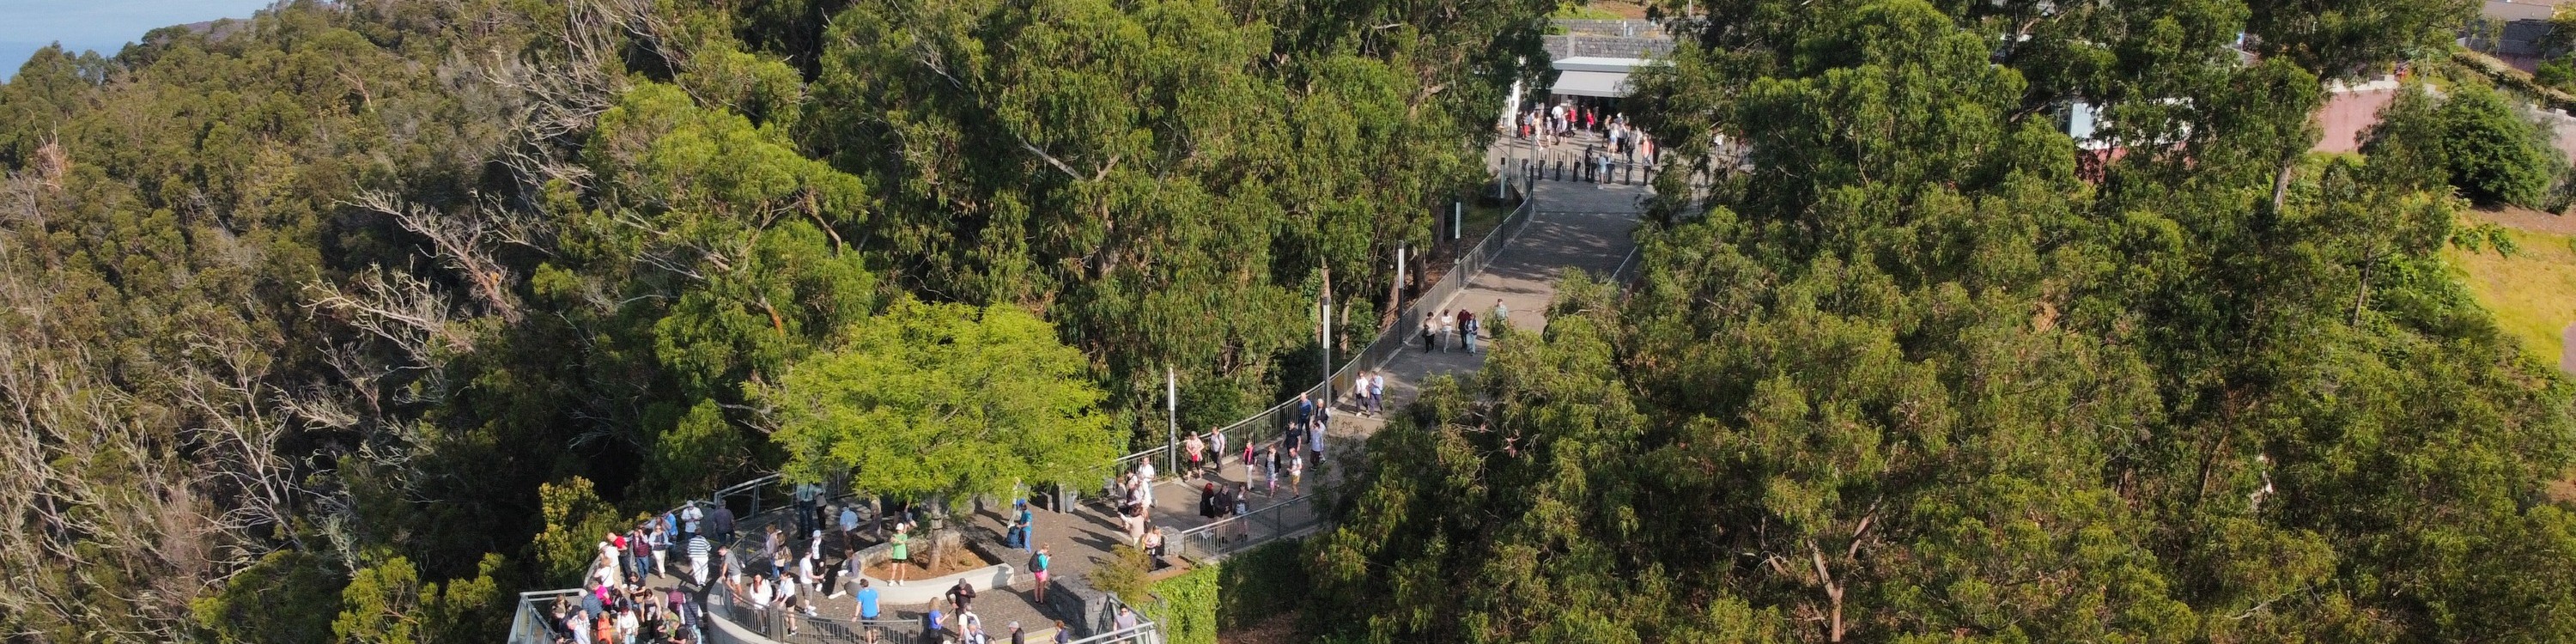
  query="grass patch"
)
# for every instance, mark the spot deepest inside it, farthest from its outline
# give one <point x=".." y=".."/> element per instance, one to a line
<point x="2532" y="293"/>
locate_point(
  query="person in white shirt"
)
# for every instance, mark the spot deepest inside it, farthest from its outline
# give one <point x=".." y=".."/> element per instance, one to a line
<point x="1145" y="485"/>
<point x="1448" y="329"/>
<point x="759" y="594"/>
<point x="1315" y="432"/>
<point x="1216" y="443"/>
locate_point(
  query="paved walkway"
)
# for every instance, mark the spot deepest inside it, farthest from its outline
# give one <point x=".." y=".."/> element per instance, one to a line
<point x="1575" y="226"/>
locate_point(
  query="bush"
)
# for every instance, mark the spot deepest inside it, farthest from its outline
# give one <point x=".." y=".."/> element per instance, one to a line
<point x="2558" y="74"/>
<point x="1186" y="606"/>
<point x="1256" y="584"/>
<point x="2495" y="156"/>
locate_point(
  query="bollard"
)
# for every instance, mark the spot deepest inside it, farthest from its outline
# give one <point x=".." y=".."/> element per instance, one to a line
<point x="1560" y="170"/>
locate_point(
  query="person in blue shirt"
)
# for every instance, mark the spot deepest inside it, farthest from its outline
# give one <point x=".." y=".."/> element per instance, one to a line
<point x="933" y="624"/>
<point x="1021" y="526"/>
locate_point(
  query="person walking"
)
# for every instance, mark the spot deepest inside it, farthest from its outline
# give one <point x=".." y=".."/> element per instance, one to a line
<point x="1296" y="472"/>
<point x="807" y="512"/>
<point x="690" y="519"/>
<point x="1216" y="451"/>
<point x="1195" y="449"/>
<point x="1377" y="392"/>
<point x="1430" y="327"/>
<point x="661" y="545"/>
<point x="721" y="522"/>
<point x="867" y="605"/>
<point x="1270" y="463"/>
<point x="698" y="551"/>
<point x="1448" y="325"/>
<point x="1502" y="315"/>
<point x="1467" y="329"/>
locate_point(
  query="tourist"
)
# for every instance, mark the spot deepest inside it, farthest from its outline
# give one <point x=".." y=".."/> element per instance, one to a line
<point x="900" y="552"/>
<point x="1270" y="461"/>
<point x="1016" y="636"/>
<point x="805" y="573"/>
<point x="1192" y="447"/>
<point x="1305" y="413"/>
<point x="806" y="496"/>
<point x="1028" y="521"/>
<point x="759" y="594"/>
<point x="627" y="624"/>
<point x="1315" y="434"/>
<point x="661" y="545"/>
<point x="1296" y="472"/>
<point x="732" y="564"/>
<point x="1467" y="329"/>
<point x="698" y="549"/>
<point x="1501" y="315"/>
<point x="1145" y="481"/>
<point x="720" y="522"/>
<point x="934" y="626"/>
<point x="1430" y="329"/>
<point x="1207" y="500"/>
<point x="771" y="541"/>
<point x="1377" y="392"/>
<point x="1038" y="568"/>
<point x="603" y="629"/>
<point x="963" y="595"/>
<point x="1126" y="621"/>
<point x="1216" y="451"/>
<point x="690" y="516"/>
<point x="1448" y="330"/>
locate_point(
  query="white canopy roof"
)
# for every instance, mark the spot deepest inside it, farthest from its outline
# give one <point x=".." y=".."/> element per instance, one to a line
<point x="1602" y="84"/>
<point x="1594" y="76"/>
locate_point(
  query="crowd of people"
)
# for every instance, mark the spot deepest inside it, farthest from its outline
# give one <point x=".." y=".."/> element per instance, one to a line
<point x="781" y="578"/>
<point x="1621" y="142"/>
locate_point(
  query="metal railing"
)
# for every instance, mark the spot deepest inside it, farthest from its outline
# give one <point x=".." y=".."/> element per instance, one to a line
<point x="535" y="607"/>
<point x="1224" y="537"/>
<point x="1408" y="323"/>
<point x="784" y="623"/>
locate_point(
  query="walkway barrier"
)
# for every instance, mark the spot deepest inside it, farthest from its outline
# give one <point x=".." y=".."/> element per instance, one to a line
<point x="1269" y="425"/>
<point x="1224" y="537"/>
<point x="536" y="607"/>
<point x="775" y="623"/>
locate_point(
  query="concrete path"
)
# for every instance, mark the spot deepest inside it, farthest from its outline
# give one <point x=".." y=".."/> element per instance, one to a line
<point x="1575" y="226"/>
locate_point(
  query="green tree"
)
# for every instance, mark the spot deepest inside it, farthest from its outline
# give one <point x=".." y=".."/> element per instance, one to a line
<point x="941" y="402"/>
<point x="2495" y="156"/>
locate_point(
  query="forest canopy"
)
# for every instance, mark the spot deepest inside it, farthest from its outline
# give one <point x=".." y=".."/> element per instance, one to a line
<point x="1917" y="367"/>
<point x="348" y="321"/>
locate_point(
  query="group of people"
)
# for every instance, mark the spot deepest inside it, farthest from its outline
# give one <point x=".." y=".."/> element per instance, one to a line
<point x="631" y="615"/>
<point x="1460" y="328"/>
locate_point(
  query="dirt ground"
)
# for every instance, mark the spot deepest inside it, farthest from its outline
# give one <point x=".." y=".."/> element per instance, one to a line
<point x="1279" y="629"/>
<point x="958" y="560"/>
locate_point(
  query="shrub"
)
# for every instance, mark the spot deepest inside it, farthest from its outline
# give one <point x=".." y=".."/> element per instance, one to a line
<point x="2495" y="155"/>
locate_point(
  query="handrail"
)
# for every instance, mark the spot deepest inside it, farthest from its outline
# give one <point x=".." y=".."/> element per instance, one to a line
<point x="1213" y="525"/>
<point x="1389" y="340"/>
